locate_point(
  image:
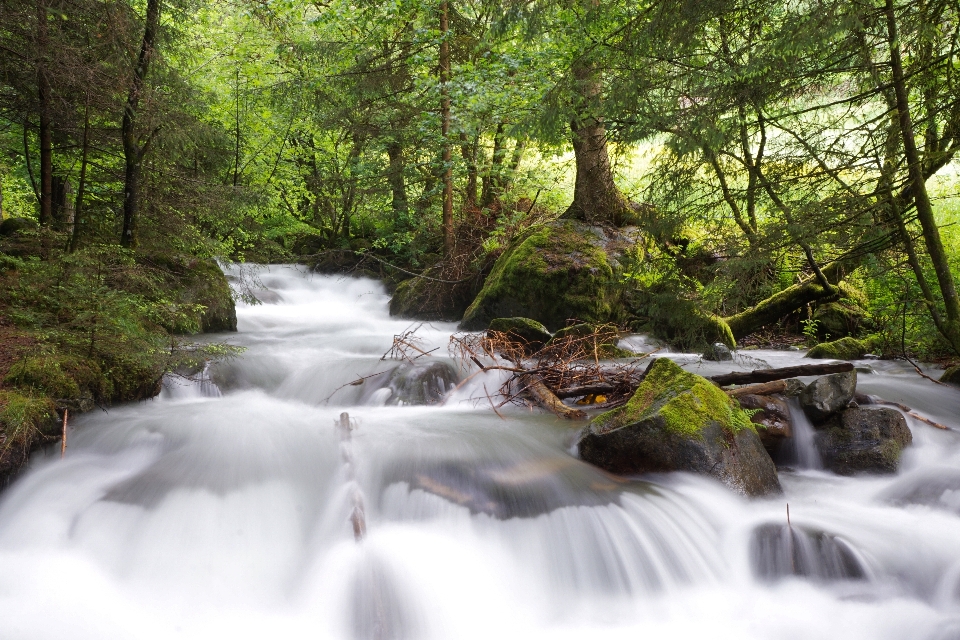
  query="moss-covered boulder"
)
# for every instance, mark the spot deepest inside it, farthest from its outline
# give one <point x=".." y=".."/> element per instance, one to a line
<point x="679" y="321"/>
<point x="206" y="285"/>
<point x="863" y="441"/>
<point x="842" y="349"/>
<point x="679" y="421"/>
<point x="951" y="376"/>
<point x="11" y="226"/>
<point x="555" y="272"/>
<point x="75" y="383"/>
<point x="525" y="330"/>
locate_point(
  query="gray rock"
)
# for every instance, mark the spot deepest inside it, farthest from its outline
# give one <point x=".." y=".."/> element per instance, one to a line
<point x="828" y="394"/>
<point x="679" y="421"/>
<point x="794" y="387"/>
<point x="424" y="383"/>
<point x="781" y="550"/>
<point x="719" y="352"/>
<point x="951" y="376"/>
<point x="863" y="441"/>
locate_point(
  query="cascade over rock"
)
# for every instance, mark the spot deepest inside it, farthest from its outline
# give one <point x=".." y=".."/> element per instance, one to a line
<point x="679" y="421"/>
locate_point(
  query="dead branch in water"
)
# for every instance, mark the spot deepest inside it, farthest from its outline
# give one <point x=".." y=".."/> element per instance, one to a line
<point x="769" y="375"/>
<point x="765" y="389"/>
<point x="63" y="441"/>
<point x="564" y="368"/>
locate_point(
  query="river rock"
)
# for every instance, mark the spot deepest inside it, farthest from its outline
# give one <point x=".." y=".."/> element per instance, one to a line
<point x="781" y="550"/>
<point x="421" y="383"/>
<point x="863" y="441"/>
<point x="951" y="376"/>
<point x="938" y="488"/>
<point x="719" y="352"/>
<point x="772" y="419"/>
<point x="828" y="394"/>
<point x="842" y="349"/>
<point x="561" y="270"/>
<point x="527" y="331"/>
<point x="679" y="421"/>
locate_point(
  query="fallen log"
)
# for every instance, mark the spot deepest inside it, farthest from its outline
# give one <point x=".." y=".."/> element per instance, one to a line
<point x="765" y="389"/>
<point x="576" y="392"/>
<point x="534" y="387"/>
<point x="769" y="375"/>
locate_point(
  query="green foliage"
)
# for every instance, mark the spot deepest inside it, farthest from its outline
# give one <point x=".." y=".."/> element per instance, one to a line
<point x="24" y="418"/>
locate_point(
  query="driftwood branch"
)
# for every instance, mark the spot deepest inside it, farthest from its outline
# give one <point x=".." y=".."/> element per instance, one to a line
<point x="765" y="389"/>
<point x="769" y="375"/>
<point x="539" y="393"/>
<point x="586" y="390"/>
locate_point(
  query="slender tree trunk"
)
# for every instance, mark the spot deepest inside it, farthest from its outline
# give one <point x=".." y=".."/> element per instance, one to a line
<point x="132" y="151"/>
<point x="469" y="152"/>
<point x="492" y="182"/>
<point x="46" y="129"/>
<point x="398" y="187"/>
<point x="925" y="215"/>
<point x="448" y="239"/>
<point x="81" y="181"/>
<point x="236" y="146"/>
<point x="595" y="195"/>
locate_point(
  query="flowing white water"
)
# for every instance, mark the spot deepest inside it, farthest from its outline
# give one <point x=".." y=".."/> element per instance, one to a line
<point x="226" y="512"/>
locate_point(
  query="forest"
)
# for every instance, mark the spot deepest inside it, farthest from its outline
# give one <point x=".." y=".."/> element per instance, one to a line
<point x="752" y="173"/>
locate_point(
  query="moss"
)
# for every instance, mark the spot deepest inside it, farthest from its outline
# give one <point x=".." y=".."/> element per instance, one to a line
<point x="951" y="376"/>
<point x="59" y="376"/>
<point x="843" y="349"/>
<point x="25" y="418"/>
<point x="686" y="402"/>
<point x="553" y="273"/>
<point x="525" y="329"/>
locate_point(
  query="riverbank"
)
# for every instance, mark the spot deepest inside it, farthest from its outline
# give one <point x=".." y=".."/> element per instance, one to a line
<point x="92" y="328"/>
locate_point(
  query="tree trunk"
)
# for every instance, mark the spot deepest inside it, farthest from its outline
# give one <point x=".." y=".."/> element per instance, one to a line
<point x="595" y="195"/>
<point x="81" y="182"/>
<point x="928" y="223"/>
<point x="492" y="182"/>
<point x="469" y="153"/>
<point x="398" y="187"/>
<point x="133" y="152"/>
<point x="46" y="129"/>
<point x="448" y="239"/>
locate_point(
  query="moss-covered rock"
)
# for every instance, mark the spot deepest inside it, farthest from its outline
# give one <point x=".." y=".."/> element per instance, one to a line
<point x="76" y="383"/>
<point x="433" y="298"/>
<point x="842" y="349"/>
<point x="207" y="286"/>
<point x="837" y="320"/>
<point x="600" y="339"/>
<point x="951" y="376"/>
<point x="525" y="330"/>
<point x="26" y="422"/>
<point x="679" y="421"/>
<point x="679" y="321"/>
<point x="10" y="226"/>
<point x="562" y="270"/>
<point x="863" y="441"/>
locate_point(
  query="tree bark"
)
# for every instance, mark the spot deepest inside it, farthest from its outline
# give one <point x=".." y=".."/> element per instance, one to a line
<point x="541" y="394"/>
<point x="769" y="375"/>
<point x="398" y="187"/>
<point x="925" y="215"/>
<point x="81" y="181"/>
<point x="595" y="195"/>
<point x="448" y="239"/>
<point x="133" y="152"/>
<point x="46" y="128"/>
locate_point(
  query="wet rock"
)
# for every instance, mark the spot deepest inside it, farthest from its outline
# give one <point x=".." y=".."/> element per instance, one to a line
<point x="679" y="421"/>
<point x="951" y="376"/>
<point x="435" y="296"/>
<point x="266" y="296"/>
<point x="558" y="271"/>
<point x="772" y="419"/>
<point x="937" y="488"/>
<point x="719" y="352"/>
<point x="863" y="441"/>
<point x="420" y="384"/>
<point x="781" y="550"/>
<point x="828" y="394"/>
<point x="843" y="349"/>
<point x="794" y="387"/>
<point x="525" y="330"/>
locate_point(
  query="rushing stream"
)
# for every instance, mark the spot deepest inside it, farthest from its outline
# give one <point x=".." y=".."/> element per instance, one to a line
<point x="229" y="507"/>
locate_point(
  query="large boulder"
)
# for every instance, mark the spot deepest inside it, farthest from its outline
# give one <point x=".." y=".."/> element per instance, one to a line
<point x="863" y="441"/>
<point x="828" y="394"/>
<point x="555" y="272"/>
<point x="679" y="421"/>
<point x="434" y="296"/>
<point x="842" y="349"/>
